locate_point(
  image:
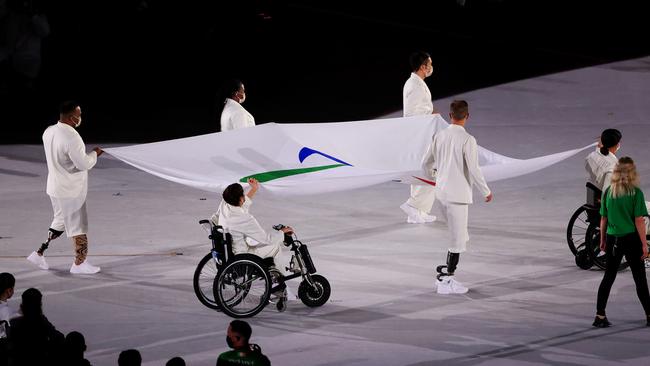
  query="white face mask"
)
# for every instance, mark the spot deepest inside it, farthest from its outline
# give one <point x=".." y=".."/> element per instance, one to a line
<point x="242" y="97"/>
<point x="429" y="71"/>
<point x="78" y="123"/>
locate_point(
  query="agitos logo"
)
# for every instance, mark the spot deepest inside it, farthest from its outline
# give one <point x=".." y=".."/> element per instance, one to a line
<point x="303" y="154"/>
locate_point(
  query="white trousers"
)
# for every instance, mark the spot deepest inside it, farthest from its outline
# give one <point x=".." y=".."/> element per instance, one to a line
<point x="422" y="197"/>
<point x="456" y="216"/>
<point x="263" y="251"/>
<point x="70" y="215"/>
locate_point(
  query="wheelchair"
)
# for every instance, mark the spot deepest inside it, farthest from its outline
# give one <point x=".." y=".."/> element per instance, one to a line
<point x="583" y="233"/>
<point x="241" y="285"/>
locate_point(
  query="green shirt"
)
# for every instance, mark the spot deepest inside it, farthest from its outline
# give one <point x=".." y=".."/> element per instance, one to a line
<point x="621" y="211"/>
<point x="242" y="358"/>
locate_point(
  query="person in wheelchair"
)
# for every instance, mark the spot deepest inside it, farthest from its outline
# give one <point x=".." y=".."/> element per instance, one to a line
<point x="248" y="236"/>
<point x="600" y="163"/>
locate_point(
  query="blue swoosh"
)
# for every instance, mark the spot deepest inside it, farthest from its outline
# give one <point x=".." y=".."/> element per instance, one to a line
<point x="305" y="152"/>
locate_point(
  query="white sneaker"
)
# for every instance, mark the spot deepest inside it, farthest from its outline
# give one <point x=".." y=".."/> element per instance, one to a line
<point x="448" y="285"/>
<point x="38" y="260"/>
<point x="413" y="214"/>
<point x="427" y="218"/>
<point x="84" y="268"/>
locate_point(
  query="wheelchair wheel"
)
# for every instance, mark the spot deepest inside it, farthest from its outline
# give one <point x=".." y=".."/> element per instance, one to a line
<point x="314" y="296"/>
<point x="593" y="236"/>
<point x="242" y="287"/>
<point x="577" y="229"/>
<point x="203" y="281"/>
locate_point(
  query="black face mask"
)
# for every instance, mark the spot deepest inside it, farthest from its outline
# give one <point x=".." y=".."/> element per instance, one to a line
<point x="229" y="342"/>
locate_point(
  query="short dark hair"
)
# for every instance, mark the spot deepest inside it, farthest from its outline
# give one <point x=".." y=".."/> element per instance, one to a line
<point x="68" y="107"/>
<point x="242" y="328"/>
<point x="233" y="193"/>
<point x="230" y="87"/>
<point x="7" y="280"/>
<point x="418" y="59"/>
<point x="32" y="304"/>
<point x="176" y="361"/>
<point x="129" y="357"/>
<point x="75" y="341"/>
<point x="459" y="109"/>
<point x="609" y="138"/>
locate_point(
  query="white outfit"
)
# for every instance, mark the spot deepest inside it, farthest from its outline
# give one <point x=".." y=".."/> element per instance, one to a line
<point x="248" y="236"/>
<point x="416" y="98"/>
<point x="600" y="168"/>
<point x="67" y="177"/>
<point x="455" y="154"/>
<point x="6" y="313"/>
<point x="234" y="116"/>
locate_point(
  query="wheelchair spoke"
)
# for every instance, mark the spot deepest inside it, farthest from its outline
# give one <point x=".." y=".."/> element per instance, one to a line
<point x="243" y="288"/>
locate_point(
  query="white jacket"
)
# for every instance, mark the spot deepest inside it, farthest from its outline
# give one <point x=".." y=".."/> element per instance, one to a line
<point x="454" y="153"/>
<point x="416" y="97"/>
<point x="600" y="168"/>
<point x="6" y="313"/>
<point x="67" y="162"/>
<point x="245" y="230"/>
<point x="234" y="116"/>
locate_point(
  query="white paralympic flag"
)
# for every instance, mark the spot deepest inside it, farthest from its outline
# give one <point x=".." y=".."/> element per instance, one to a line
<point x="305" y="158"/>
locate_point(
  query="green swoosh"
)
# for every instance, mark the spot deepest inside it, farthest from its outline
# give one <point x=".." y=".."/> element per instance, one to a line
<point x="275" y="174"/>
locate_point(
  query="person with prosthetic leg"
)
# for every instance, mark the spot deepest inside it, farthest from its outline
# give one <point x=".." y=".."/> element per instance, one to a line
<point x="455" y="154"/>
<point x="68" y="164"/>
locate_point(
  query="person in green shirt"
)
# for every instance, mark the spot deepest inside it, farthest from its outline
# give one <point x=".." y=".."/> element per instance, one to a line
<point x="623" y="233"/>
<point x="243" y="353"/>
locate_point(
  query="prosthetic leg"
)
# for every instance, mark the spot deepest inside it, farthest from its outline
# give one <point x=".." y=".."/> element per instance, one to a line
<point x="37" y="257"/>
<point x="51" y="235"/>
<point x="450" y="267"/>
<point x="446" y="282"/>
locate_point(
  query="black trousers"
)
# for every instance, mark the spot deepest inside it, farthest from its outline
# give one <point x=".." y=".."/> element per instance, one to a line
<point x="630" y="247"/>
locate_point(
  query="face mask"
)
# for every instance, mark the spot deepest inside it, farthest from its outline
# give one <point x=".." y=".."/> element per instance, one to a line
<point x="229" y="342"/>
<point x="429" y="71"/>
<point x="78" y="123"/>
<point x="242" y="98"/>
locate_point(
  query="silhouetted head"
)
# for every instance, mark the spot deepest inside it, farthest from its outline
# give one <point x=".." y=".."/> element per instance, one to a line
<point x="75" y="343"/>
<point x="176" y="361"/>
<point x="130" y="357"/>
<point x="32" y="305"/>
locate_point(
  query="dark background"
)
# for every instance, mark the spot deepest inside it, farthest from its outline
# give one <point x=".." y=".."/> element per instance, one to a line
<point x="148" y="70"/>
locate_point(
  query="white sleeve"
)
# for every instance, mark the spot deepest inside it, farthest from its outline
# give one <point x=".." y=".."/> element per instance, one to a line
<point x="252" y="229"/>
<point x="78" y="155"/>
<point x="429" y="162"/>
<point x="607" y="179"/>
<point x="470" y="152"/>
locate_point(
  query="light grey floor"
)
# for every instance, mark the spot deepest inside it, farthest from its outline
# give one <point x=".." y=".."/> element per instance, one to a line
<point x="528" y="304"/>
